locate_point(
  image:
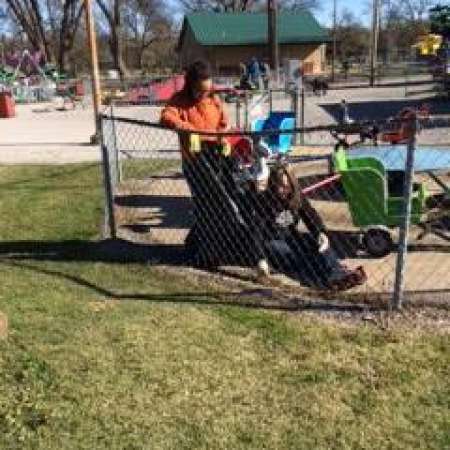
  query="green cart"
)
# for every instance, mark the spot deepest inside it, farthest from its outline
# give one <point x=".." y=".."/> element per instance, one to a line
<point x="373" y="208"/>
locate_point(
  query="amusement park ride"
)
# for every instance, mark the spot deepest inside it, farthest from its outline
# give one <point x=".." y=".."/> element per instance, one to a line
<point x="28" y="79"/>
<point x="440" y="26"/>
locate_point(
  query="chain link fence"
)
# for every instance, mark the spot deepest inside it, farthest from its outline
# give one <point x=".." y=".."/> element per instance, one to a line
<point x="362" y="219"/>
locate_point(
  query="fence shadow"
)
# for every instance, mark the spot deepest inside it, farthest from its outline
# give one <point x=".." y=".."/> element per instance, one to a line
<point x="258" y="298"/>
<point x="110" y="250"/>
<point x="20" y="254"/>
<point x="121" y="251"/>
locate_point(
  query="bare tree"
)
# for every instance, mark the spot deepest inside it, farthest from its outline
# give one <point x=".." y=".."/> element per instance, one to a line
<point x="112" y="12"/>
<point x="28" y="14"/>
<point x="50" y="25"/>
<point x="402" y="21"/>
<point x="245" y="5"/>
<point x="301" y="5"/>
<point x="416" y="10"/>
<point x="146" y="24"/>
<point x="70" y="23"/>
<point x="440" y="20"/>
<point x="352" y="37"/>
<point x="220" y="5"/>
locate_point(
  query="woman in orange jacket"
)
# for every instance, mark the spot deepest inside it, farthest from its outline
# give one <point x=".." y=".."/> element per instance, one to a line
<point x="196" y="107"/>
<point x="223" y="231"/>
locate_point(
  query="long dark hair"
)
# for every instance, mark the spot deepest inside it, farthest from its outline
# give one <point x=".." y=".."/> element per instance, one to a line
<point x="197" y="71"/>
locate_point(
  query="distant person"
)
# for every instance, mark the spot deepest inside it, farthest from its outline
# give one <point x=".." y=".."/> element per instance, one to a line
<point x="242" y="70"/>
<point x="323" y="86"/>
<point x="315" y="86"/>
<point x="319" y="86"/>
<point x="346" y="68"/>
<point x="254" y="72"/>
<point x="265" y="74"/>
<point x="345" y="116"/>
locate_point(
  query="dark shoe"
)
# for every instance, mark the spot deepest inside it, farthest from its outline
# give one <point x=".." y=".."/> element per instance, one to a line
<point x="343" y="278"/>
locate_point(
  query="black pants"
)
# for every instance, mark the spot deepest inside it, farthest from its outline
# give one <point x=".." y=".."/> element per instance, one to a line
<point x="237" y="226"/>
<point x="225" y="230"/>
<point x="306" y="255"/>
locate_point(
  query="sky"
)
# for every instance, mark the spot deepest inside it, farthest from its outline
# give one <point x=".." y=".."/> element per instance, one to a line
<point x="359" y="8"/>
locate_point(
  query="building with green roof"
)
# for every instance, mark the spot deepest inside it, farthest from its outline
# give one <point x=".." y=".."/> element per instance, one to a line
<point x="227" y="39"/>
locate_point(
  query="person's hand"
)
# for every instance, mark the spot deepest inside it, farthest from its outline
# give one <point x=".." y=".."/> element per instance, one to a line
<point x="324" y="242"/>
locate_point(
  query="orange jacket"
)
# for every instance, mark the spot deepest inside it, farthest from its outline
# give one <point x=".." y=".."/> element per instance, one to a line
<point x="183" y="113"/>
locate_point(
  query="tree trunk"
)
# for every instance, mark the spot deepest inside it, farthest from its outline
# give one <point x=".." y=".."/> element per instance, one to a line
<point x="28" y="15"/>
<point x="69" y="27"/>
<point x="115" y="46"/>
<point x="117" y="38"/>
<point x="40" y="27"/>
<point x="114" y="20"/>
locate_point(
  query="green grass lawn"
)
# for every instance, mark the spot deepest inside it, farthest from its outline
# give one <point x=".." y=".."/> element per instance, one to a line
<point x="87" y="367"/>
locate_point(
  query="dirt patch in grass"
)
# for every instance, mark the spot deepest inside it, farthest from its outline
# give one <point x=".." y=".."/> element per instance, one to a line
<point x="3" y="326"/>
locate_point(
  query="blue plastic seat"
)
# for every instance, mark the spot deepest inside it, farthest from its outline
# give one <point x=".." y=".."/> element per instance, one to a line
<point x="277" y="120"/>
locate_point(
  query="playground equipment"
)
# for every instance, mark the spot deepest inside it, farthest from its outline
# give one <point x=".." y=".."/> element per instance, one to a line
<point x="71" y="94"/>
<point x="278" y="120"/>
<point x="6" y="75"/>
<point x="27" y="78"/>
<point x="428" y="44"/>
<point x="397" y="133"/>
<point x="373" y="207"/>
<point x="144" y="92"/>
<point x="373" y="180"/>
<point x="7" y="105"/>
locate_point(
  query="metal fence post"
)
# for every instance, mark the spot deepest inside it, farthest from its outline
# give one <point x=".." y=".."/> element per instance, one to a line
<point x="246" y="112"/>
<point x="238" y="112"/>
<point x="302" y="116"/>
<point x="298" y="106"/>
<point x="296" y="110"/>
<point x="400" y="269"/>
<point x="117" y="161"/>
<point x="110" y="220"/>
<point x="406" y="82"/>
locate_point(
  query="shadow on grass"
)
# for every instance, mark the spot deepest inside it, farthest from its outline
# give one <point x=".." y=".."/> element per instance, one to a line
<point x="258" y="298"/>
<point x="19" y="254"/>
<point x="112" y="251"/>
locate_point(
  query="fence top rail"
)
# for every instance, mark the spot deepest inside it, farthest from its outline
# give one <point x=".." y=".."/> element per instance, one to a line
<point x="351" y="128"/>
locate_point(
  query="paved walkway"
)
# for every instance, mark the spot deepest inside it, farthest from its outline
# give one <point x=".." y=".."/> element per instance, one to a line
<point x="40" y="134"/>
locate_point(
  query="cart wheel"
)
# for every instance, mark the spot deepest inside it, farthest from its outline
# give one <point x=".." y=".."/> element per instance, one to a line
<point x="377" y="242"/>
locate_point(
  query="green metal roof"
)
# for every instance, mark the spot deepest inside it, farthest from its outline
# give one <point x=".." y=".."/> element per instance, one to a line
<point x="251" y="28"/>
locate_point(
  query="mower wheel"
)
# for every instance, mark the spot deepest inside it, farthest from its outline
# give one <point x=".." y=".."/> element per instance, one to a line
<point x="377" y="242"/>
